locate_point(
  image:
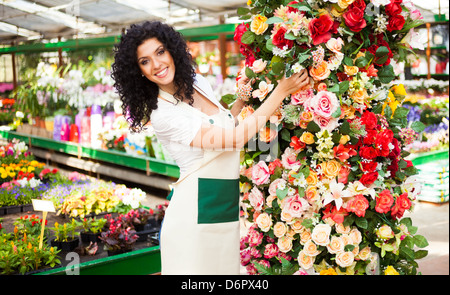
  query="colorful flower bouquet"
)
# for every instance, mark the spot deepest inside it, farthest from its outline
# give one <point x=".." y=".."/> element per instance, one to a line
<point x="326" y="183"/>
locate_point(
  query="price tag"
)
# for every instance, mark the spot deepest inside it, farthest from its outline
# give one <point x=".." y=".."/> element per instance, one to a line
<point x="44" y="206"/>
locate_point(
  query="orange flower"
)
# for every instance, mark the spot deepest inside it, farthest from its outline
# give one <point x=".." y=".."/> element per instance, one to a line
<point x="321" y="72"/>
<point x="267" y="134"/>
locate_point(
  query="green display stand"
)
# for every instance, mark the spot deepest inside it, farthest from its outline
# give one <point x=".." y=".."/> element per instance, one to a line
<point x="143" y="163"/>
<point x="139" y="262"/>
<point x="434" y="174"/>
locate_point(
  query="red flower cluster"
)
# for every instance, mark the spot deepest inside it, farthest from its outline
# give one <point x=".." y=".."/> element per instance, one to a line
<point x="244" y="48"/>
<point x="396" y="21"/>
<point x="321" y="29"/>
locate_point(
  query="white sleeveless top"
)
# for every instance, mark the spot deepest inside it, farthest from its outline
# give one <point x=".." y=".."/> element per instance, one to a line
<point x="177" y="123"/>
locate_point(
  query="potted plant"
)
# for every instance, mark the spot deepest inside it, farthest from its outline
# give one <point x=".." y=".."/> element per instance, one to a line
<point x="92" y="229"/>
<point x="139" y="218"/>
<point x="66" y="236"/>
<point x="120" y="236"/>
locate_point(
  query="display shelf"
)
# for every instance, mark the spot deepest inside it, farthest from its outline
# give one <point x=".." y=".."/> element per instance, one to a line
<point x="433" y="174"/>
<point x="138" y="262"/>
<point x="142" y="163"/>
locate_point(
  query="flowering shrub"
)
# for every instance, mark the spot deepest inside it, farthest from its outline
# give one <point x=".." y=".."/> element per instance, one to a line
<point x="327" y="185"/>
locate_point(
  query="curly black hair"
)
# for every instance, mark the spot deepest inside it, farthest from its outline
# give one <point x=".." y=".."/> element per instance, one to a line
<point x="139" y="95"/>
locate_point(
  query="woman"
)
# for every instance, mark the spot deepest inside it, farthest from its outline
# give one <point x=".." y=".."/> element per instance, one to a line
<point x="156" y="81"/>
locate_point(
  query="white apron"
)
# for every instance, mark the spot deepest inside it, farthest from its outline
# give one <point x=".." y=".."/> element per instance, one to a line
<point x="200" y="231"/>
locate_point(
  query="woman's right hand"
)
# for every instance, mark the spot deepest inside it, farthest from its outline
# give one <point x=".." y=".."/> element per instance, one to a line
<point x="293" y="83"/>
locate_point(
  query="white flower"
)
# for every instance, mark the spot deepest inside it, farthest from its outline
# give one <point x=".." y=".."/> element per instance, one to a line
<point x="357" y="188"/>
<point x="297" y="68"/>
<point x="377" y="3"/>
<point x="336" y="193"/>
<point x="415" y="40"/>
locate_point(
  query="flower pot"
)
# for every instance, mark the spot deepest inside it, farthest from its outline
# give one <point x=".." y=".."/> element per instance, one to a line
<point x="27" y="207"/>
<point x="87" y="237"/>
<point x="13" y="209"/>
<point x="65" y="246"/>
<point x="117" y="252"/>
<point x="139" y="227"/>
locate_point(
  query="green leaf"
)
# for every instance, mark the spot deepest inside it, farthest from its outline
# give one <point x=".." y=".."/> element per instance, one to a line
<point x="290" y="36"/>
<point x="343" y="86"/>
<point x="407" y="253"/>
<point x="281" y="194"/>
<point x="308" y="223"/>
<point x="249" y="73"/>
<point x="420" y="241"/>
<point x="228" y="98"/>
<point x="337" y="114"/>
<point x="277" y="67"/>
<point x="362" y="222"/>
<point x="361" y="62"/>
<point x="417" y="126"/>
<point x="401" y="112"/>
<point x="420" y="254"/>
<point x="345" y="128"/>
<point x="243" y="11"/>
<point x="334" y="89"/>
<point x="286" y="135"/>
<point x="313" y="127"/>
<point x="382" y="51"/>
<point x="248" y="37"/>
<point x="347" y="61"/>
<point x="386" y="74"/>
<point x="274" y="20"/>
<point x="388" y="112"/>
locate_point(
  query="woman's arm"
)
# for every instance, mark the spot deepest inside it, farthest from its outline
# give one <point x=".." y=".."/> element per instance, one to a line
<point x="213" y="137"/>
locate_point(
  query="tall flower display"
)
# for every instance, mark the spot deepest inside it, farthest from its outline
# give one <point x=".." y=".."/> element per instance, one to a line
<point x="325" y="183"/>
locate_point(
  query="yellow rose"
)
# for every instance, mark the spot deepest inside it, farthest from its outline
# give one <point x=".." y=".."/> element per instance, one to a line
<point x="345" y="259"/>
<point x="344" y="3"/>
<point x="390" y="270"/>
<point x="341" y="229"/>
<point x="331" y="168"/>
<point x="284" y="244"/>
<point x="359" y="96"/>
<point x="307" y="137"/>
<point x="351" y="70"/>
<point x="258" y="25"/>
<point x="310" y="249"/>
<point x="336" y="245"/>
<point x="364" y="254"/>
<point x="307" y="116"/>
<point x="279" y="229"/>
<point x="321" y="234"/>
<point x="297" y="226"/>
<point x="312" y="178"/>
<point x="344" y="139"/>
<point x="305" y="261"/>
<point x="312" y="194"/>
<point x="385" y="232"/>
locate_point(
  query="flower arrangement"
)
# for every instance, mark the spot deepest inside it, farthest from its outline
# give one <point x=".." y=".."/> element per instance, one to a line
<point x="326" y="183"/>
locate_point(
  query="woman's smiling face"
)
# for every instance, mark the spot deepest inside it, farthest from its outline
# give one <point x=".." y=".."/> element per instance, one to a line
<point x="156" y="64"/>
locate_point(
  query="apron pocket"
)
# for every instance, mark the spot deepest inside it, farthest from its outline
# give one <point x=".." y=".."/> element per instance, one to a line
<point x="218" y="200"/>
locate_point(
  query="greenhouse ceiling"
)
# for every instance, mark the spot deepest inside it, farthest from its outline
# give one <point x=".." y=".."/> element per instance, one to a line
<point x="22" y="20"/>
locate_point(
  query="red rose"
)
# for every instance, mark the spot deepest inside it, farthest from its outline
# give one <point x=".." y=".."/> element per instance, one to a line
<point x="370" y="120"/>
<point x="273" y="165"/>
<point x="393" y="8"/>
<point x="292" y="9"/>
<point x="369" y="166"/>
<point x="279" y="40"/>
<point x="402" y="203"/>
<point x="320" y="29"/>
<point x="369" y="139"/>
<point x="395" y="23"/>
<point x="369" y="178"/>
<point x="354" y="17"/>
<point x="336" y="215"/>
<point x="358" y="205"/>
<point x="384" y="201"/>
<point x="368" y="152"/>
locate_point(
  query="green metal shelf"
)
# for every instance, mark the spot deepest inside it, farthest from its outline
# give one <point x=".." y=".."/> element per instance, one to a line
<point x="138" y="262"/>
<point x="143" y="163"/>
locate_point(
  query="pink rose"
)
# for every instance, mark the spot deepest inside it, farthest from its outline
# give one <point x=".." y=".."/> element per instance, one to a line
<point x="277" y="183"/>
<point x="260" y="173"/>
<point x="324" y="103"/>
<point x="256" y="199"/>
<point x="301" y="96"/>
<point x="254" y="238"/>
<point x="294" y="205"/>
<point x="326" y="123"/>
<point x="289" y="159"/>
